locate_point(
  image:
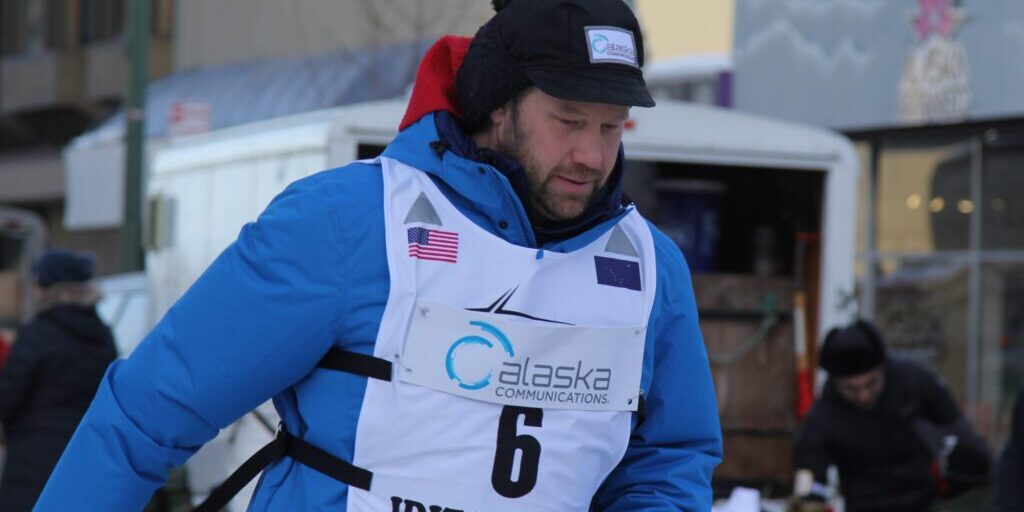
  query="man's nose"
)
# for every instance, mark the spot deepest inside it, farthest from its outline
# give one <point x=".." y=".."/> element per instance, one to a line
<point x="587" y="150"/>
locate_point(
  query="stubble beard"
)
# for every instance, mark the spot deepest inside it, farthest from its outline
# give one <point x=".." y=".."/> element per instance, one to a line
<point x="544" y="203"/>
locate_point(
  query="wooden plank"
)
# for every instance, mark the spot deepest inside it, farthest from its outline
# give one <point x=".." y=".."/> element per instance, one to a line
<point x="757" y="390"/>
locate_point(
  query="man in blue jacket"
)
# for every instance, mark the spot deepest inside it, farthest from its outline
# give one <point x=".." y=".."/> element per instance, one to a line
<point x="476" y="320"/>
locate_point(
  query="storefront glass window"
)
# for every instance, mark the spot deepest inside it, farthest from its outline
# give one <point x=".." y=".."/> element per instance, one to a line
<point x="943" y="294"/>
<point x="1002" y="182"/>
<point x="862" y="263"/>
<point x="921" y="197"/>
<point x="921" y="308"/>
<point x="1002" y="335"/>
<point x="863" y="198"/>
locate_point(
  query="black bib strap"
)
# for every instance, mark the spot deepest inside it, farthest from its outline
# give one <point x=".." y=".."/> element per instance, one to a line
<point x="641" y="411"/>
<point x="359" y="364"/>
<point x="284" y="445"/>
<point x="288" y="445"/>
<point x="328" y="464"/>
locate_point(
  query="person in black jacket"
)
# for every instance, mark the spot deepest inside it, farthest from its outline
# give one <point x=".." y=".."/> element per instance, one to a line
<point x="883" y="422"/>
<point x="51" y="375"/>
<point x="1010" y="471"/>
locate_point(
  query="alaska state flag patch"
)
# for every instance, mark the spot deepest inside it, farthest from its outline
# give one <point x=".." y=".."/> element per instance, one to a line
<point x="617" y="273"/>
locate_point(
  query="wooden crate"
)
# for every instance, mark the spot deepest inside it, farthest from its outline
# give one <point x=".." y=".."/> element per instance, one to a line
<point x="756" y="391"/>
<point x="10" y="297"/>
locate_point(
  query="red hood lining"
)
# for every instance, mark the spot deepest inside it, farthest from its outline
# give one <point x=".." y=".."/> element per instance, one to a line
<point x="434" y="88"/>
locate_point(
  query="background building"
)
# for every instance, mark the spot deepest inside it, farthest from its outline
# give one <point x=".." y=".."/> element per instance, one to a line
<point x="221" y="32"/>
<point x="689" y="49"/>
<point x="681" y="28"/>
<point x="931" y="92"/>
<point x="213" y="63"/>
<point x="62" y="70"/>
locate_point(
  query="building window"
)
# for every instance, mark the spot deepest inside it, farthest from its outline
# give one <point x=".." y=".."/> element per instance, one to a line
<point x="102" y="19"/>
<point x="1001" y="209"/>
<point x="37" y="25"/>
<point x="28" y="26"/>
<point x="13" y="26"/>
<point x="941" y="258"/>
<point x="1002" y="344"/>
<point x="163" y="18"/>
<point x="920" y="193"/>
<point x="59" y="25"/>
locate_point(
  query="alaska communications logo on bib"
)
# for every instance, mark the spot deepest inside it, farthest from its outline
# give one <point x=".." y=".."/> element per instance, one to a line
<point x="471" y="359"/>
<point x="482" y="381"/>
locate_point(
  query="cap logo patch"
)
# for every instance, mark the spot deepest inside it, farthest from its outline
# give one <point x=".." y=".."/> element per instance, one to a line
<point x="611" y="44"/>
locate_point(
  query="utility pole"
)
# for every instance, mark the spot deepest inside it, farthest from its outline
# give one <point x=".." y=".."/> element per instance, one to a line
<point x="135" y="134"/>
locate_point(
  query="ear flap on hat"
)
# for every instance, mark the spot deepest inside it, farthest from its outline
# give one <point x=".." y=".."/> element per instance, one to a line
<point x="488" y="77"/>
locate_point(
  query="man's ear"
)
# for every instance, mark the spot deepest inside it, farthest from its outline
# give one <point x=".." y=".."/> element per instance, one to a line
<point x="499" y="115"/>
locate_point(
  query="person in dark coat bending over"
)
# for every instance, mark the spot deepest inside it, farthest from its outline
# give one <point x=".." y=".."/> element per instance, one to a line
<point x="872" y="422"/>
<point x="51" y="375"/>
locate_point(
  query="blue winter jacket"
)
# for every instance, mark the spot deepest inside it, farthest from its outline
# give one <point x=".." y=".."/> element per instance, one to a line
<point x="311" y="273"/>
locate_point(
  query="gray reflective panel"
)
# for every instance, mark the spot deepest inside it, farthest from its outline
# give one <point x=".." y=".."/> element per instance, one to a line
<point x="619" y="243"/>
<point x="423" y="211"/>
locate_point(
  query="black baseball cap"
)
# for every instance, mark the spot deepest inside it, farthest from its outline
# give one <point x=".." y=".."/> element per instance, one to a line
<point x="580" y="50"/>
<point x="577" y="50"/>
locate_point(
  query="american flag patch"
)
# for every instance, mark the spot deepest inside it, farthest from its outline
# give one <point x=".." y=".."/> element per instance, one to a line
<point x="433" y="245"/>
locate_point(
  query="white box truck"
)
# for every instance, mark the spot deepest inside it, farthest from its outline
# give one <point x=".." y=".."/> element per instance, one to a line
<point x="738" y="193"/>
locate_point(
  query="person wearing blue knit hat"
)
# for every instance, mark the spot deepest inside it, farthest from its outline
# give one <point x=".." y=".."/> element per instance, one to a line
<point x="55" y="365"/>
<point x="63" y="266"/>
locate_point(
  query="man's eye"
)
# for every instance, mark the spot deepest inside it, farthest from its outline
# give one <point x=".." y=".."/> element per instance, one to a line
<point x="570" y="122"/>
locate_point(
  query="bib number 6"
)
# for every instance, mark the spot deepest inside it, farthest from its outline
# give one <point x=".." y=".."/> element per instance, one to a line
<point x="504" y="481"/>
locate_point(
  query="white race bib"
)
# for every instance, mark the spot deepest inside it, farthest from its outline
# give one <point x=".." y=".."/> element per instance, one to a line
<point x="516" y="369"/>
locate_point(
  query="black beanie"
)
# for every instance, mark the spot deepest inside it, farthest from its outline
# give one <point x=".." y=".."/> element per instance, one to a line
<point x="488" y="77"/>
<point x="852" y="350"/>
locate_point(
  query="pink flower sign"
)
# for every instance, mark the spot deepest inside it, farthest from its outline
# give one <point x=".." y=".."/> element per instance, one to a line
<point x="936" y="17"/>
